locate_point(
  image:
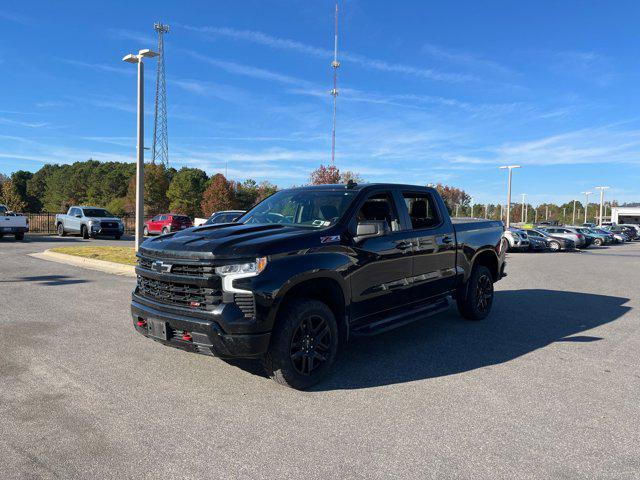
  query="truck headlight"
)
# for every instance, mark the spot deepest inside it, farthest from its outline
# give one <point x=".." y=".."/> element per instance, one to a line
<point x="229" y="273"/>
<point x="243" y="268"/>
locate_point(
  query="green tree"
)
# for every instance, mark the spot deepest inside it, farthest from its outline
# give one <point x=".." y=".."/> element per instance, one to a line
<point x="20" y="180"/>
<point x="37" y="184"/>
<point x="250" y="192"/>
<point x="185" y="191"/>
<point x="157" y="179"/>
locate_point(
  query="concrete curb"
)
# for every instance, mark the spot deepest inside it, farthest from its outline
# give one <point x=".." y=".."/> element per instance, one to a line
<point x="90" y="263"/>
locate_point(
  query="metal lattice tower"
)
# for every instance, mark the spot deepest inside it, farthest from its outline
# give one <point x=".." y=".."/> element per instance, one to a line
<point x="160" y="150"/>
<point x="334" y="92"/>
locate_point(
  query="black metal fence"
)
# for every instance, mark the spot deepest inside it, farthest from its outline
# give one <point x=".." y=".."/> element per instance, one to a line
<point x="46" y="222"/>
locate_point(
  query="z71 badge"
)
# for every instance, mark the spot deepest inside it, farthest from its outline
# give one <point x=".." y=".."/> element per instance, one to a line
<point x="332" y="238"/>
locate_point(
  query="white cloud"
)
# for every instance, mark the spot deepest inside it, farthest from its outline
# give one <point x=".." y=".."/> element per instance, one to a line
<point x="362" y="60"/>
<point x="464" y="58"/>
<point x="19" y="123"/>
<point x="247" y="70"/>
<point x="123" y="70"/>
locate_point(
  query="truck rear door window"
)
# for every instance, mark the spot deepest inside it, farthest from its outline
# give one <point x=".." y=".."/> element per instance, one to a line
<point x="422" y="210"/>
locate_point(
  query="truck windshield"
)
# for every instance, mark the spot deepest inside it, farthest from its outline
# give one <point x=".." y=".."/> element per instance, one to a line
<point x="301" y="208"/>
<point x="96" y="212"/>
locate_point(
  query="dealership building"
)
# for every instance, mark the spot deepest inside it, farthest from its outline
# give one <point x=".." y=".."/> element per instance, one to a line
<point x="625" y="215"/>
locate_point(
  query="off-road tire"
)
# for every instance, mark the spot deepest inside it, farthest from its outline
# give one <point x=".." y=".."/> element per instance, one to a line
<point x="84" y="232"/>
<point x="60" y="229"/>
<point x="290" y="324"/>
<point x="20" y="236"/>
<point x="470" y="304"/>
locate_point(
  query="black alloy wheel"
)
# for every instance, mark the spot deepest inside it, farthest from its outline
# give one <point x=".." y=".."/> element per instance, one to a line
<point x="484" y="294"/>
<point x="310" y="344"/>
<point x="304" y="344"/>
<point x="475" y="297"/>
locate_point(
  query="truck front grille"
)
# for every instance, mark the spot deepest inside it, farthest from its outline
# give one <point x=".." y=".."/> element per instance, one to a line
<point x="188" y="269"/>
<point x="179" y="294"/>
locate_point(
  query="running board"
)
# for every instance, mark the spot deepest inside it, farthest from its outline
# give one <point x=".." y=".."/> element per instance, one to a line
<point x="401" y="319"/>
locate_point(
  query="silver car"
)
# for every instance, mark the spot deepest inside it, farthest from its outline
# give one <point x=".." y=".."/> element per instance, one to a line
<point x="518" y="239"/>
<point x="565" y="232"/>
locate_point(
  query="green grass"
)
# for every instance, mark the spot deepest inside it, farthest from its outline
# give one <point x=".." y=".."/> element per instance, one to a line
<point x="123" y="255"/>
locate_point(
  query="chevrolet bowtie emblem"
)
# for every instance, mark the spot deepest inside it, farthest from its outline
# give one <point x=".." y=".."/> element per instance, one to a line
<point x="161" y="267"/>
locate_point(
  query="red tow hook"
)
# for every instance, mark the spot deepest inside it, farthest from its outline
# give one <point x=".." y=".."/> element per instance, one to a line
<point x="141" y="323"/>
<point x="186" y="336"/>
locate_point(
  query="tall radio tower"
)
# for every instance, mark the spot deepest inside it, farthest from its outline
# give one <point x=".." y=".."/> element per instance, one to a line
<point x="160" y="150"/>
<point x="334" y="92"/>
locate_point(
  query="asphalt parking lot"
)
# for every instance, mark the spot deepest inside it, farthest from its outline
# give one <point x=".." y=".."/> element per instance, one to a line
<point x="547" y="387"/>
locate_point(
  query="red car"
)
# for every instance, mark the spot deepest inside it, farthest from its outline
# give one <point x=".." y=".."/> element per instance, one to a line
<point x="165" y="223"/>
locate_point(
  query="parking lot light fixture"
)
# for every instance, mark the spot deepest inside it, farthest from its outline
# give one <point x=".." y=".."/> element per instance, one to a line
<point x="523" y="215"/>
<point x="138" y="59"/>
<point x="602" y="189"/>
<point x="510" y="168"/>
<point x="586" y="204"/>
<point x="573" y="218"/>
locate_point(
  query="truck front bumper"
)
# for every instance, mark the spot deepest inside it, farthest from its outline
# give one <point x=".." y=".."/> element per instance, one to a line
<point x="193" y="334"/>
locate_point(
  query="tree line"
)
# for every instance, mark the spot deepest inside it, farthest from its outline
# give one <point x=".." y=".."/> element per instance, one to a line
<point x="112" y="185"/>
<point x="190" y="191"/>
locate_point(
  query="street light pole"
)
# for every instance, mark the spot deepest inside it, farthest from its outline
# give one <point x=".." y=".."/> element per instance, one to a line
<point x="131" y="58"/>
<point x="523" y="217"/>
<point x="573" y="218"/>
<point x="586" y="205"/>
<point x="602" y="189"/>
<point x="510" y="168"/>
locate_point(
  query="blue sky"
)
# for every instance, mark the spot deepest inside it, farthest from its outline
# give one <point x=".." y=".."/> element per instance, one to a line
<point x="429" y="91"/>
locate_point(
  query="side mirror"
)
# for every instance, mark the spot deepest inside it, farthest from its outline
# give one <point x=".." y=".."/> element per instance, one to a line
<point x="78" y="215"/>
<point x="369" y="229"/>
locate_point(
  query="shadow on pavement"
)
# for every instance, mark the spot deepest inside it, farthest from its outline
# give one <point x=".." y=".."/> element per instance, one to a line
<point x="522" y="321"/>
<point x="48" y="280"/>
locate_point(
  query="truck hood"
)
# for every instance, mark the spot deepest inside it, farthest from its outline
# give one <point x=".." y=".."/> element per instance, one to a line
<point x="234" y="240"/>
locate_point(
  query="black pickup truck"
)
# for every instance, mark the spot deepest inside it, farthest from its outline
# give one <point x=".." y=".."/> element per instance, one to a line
<point x="292" y="279"/>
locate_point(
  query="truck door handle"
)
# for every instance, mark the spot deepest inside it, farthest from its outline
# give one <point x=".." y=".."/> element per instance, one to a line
<point x="447" y="239"/>
<point x="403" y="245"/>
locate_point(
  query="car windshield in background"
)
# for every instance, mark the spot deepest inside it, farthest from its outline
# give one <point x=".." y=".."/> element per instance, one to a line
<point x="301" y="208"/>
<point x="96" y="212"/>
<point x="3" y="209"/>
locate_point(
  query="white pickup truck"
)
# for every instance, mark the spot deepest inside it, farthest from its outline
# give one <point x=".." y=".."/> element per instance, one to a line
<point x="13" y="223"/>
